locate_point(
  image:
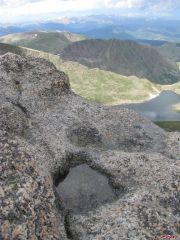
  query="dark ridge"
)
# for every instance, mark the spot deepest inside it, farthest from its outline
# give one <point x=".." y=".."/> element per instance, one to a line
<point x="170" y="51"/>
<point x="5" y="48"/>
<point x="124" y="57"/>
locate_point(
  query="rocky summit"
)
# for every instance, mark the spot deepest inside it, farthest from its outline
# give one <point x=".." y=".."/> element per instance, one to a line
<point x="45" y="130"/>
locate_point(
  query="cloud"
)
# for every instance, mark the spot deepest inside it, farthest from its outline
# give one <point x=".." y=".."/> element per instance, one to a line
<point x="13" y="9"/>
<point x="124" y="3"/>
<point x="16" y="3"/>
<point x="47" y="6"/>
<point x="144" y="4"/>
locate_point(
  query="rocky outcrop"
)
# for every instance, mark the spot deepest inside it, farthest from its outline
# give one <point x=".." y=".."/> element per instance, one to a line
<point x="45" y="129"/>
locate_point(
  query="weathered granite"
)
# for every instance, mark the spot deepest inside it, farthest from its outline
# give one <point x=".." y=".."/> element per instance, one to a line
<point x="26" y="193"/>
<point x="45" y="129"/>
<point x="148" y="204"/>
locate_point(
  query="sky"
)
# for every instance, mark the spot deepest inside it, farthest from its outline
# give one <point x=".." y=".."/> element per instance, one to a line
<point x="38" y="10"/>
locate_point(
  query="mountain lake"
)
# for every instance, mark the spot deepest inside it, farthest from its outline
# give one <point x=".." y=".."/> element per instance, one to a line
<point x="160" y="110"/>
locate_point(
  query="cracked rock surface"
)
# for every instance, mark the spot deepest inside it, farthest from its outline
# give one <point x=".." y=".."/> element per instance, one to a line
<point x="45" y="129"/>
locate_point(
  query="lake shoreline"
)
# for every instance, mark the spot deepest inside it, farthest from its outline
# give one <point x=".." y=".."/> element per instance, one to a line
<point x="158" y="108"/>
<point x="123" y="102"/>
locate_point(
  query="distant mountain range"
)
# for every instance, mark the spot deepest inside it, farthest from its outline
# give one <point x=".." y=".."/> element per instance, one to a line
<point x="107" y="27"/>
<point x="124" y="57"/>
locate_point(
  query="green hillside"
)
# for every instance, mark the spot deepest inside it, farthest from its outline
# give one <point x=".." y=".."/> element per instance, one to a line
<point x="169" y="125"/>
<point x="107" y="87"/>
<point x="52" y="42"/>
<point x="99" y="85"/>
<point x="104" y="86"/>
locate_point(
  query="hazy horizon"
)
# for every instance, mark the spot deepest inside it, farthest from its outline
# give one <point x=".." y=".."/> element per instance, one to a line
<point x="22" y="11"/>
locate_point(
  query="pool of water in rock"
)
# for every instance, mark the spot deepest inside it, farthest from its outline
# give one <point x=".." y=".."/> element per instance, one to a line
<point x="84" y="189"/>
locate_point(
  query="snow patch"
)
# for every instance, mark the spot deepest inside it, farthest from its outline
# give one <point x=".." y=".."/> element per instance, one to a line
<point x="155" y="94"/>
<point x="35" y="36"/>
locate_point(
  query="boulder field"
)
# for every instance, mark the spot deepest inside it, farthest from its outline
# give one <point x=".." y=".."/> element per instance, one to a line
<point x="45" y="129"/>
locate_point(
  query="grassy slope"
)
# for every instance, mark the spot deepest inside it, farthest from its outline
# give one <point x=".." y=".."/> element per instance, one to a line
<point x="51" y="42"/>
<point x="106" y="87"/>
<point x="99" y="85"/>
<point x="103" y="86"/>
<point x="169" y="126"/>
